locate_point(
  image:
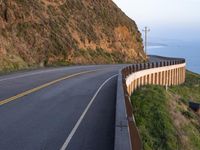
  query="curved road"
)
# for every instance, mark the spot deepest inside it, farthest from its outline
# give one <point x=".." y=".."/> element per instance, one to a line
<point x="69" y="108"/>
<point x="66" y="108"/>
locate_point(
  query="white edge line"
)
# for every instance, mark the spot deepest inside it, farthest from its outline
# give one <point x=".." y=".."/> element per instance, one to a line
<point x="83" y="115"/>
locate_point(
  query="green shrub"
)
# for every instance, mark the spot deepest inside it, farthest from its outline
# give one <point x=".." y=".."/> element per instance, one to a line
<point x="153" y="120"/>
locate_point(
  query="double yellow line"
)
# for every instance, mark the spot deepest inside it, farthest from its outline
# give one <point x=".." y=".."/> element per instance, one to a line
<point x="5" y="101"/>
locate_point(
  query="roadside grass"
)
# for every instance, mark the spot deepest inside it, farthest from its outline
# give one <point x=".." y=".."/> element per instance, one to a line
<point x="11" y="63"/>
<point x="163" y="117"/>
<point x="153" y="120"/>
<point x="99" y="56"/>
<point x="190" y="90"/>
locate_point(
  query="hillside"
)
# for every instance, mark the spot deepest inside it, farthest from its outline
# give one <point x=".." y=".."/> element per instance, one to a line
<point x="50" y="32"/>
<point x="163" y="117"/>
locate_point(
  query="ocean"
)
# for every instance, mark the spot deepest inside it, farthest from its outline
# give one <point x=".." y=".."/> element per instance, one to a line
<point x="190" y="50"/>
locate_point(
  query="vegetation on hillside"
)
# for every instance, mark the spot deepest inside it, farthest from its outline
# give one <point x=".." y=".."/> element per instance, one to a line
<point x="190" y="90"/>
<point x="163" y="117"/>
<point x="46" y="32"/>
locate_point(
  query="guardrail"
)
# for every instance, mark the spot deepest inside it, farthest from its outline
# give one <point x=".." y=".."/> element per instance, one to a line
<point x="169" y="72"/>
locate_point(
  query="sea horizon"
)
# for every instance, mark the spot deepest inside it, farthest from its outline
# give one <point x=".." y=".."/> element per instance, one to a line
<point x="177" y="48"/>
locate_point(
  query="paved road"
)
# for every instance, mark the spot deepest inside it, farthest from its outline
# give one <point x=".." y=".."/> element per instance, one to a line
<point x="69" y="108"/>
<point x="76" y="112"/>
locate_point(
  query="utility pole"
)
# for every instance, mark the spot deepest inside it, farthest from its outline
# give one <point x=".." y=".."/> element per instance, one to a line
<point x="146" y="30"/>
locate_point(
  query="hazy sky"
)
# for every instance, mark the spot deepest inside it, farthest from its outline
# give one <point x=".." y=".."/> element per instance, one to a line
<point x="165" y="16"/>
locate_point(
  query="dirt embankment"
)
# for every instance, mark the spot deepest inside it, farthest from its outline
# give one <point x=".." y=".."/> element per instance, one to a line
<point x="46" y="32"/>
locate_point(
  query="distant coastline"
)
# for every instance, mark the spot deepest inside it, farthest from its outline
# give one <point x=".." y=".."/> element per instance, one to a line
<point x="156" y="45"/>
<point x="176" y="48"/>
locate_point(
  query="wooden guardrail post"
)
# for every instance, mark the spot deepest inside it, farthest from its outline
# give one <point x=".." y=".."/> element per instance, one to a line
<point x="153" y="65"/>
<point x="157" y="65"/>
<point x="168" y="74"/>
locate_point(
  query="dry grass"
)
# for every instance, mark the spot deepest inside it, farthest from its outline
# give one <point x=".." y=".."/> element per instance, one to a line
<point x="50" y="31"/>
<point x="168" y="112"/>
<point x="186" y="121"/>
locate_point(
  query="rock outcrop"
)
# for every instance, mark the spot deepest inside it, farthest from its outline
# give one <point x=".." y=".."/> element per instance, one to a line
<point x="46" y="32"/>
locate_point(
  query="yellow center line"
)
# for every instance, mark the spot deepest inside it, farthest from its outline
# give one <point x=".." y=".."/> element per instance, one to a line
<point x="5" y="101"/>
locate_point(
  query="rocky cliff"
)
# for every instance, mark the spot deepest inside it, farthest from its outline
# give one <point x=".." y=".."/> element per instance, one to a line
<point x="46" y="32"/>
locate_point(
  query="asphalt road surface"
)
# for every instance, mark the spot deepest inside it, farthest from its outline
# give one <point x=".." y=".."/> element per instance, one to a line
<point x="69" y="108"/>
<point x="65" y="108"/>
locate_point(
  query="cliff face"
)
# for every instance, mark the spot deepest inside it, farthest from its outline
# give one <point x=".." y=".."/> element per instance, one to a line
<point x="42" y="32"/>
